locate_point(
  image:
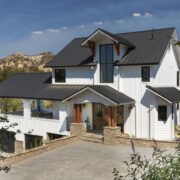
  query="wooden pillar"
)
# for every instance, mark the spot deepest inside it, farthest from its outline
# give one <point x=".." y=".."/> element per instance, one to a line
<point x="113" y="116"/>
<point x="109" y="116"/>
<point x="78" y="113"/>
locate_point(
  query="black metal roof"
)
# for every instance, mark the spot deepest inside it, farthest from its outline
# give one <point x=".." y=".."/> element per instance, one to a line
<point x="114" y="37"/>
<point x="149" y="49"/>
<point x="39" y="86"/>
<point x="170" y="93"/>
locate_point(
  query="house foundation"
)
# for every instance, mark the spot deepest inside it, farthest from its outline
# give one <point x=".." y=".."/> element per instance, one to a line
<point x="19" y="147"/>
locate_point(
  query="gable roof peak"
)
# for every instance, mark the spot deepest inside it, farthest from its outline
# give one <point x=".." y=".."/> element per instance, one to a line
<point x="113" y="37"/>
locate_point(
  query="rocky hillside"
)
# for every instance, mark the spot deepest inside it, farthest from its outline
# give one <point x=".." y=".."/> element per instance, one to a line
<point x="22" y="61"/>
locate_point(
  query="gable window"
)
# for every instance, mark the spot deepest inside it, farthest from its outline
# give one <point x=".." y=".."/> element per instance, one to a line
<point x="106" y="63"/>
<point x="60" y="75"/>
<point x="162" y="113"/>
<point x="177" y="78"/>
<point x="145" y="74"/>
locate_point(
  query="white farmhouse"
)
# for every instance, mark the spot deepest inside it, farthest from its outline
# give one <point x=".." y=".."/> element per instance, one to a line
<point x="129" y="80"/>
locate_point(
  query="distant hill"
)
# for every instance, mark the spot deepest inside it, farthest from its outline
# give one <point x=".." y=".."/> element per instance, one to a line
<point x="26" y="62"/>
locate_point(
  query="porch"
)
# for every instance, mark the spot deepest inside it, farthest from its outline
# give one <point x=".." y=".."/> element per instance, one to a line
<point x="96" y="109"/>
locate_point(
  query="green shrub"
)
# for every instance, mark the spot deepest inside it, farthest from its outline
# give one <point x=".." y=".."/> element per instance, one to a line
<point x="161" y="165"/>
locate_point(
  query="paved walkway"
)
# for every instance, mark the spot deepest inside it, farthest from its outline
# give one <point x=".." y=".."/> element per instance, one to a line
<point x="80" y="160"/>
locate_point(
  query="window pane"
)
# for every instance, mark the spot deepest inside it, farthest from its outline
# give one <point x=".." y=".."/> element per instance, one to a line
<point x="106" y="63"/>
<point x="145" y="74"/>
<point x="102" y="53"/>
<point x="162" y="113"/>
<point x="178" y="78"/>
<point x="110" y="72"/>
<point x="60" y="75"/>
<point x="103" y="73"/>
<point x="109" y="52"/>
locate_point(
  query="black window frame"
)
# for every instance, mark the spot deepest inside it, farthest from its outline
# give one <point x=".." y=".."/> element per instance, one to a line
<point x="107" y="65"/>
<point x="177" y="78"/>
<point x="143" y="75"/>
<point x="60" y="79"/>
<point x="162" y="113"/>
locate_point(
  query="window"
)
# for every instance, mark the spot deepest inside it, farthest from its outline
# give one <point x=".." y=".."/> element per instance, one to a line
<point x="106" y="63"/>
<point x="60" y="75"/>
<point x="177" y="78"/>
<point x="162" y="113"/>
<point x="145" y="73"/>
<point x="98" y="110"/>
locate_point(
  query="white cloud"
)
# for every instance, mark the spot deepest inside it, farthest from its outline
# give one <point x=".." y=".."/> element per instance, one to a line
<point x="147" y="14"/>
<point x="64" y="27"/>
<point x="98" y="23"/>
<point x="136" y="14"/>
<point x="53" y="30"/>
<point x="37" y="32"/>
<point x="119" y="21"/>
<point x="82" y="26"/>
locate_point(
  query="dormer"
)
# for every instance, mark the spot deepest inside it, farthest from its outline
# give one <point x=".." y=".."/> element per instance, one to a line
<point x="102" y="37"/>
<point x="107" y="49"/>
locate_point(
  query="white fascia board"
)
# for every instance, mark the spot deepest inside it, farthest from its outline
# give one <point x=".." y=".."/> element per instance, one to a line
<point x="160" y="96"/>
<point x="88" y="88"/>
<point x="99" y="31"/>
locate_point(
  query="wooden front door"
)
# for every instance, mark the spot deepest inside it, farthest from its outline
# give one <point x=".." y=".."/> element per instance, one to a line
<point x="98" y="120"/>
<point x="78" y="113"/>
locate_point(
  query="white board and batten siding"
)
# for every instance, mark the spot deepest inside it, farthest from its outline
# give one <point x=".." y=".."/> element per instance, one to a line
<point x="77" y="75"/>
<point x="164" y="74"/>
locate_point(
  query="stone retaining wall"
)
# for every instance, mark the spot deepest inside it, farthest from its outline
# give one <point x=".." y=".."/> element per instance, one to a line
<point x="36" y="151"/>
<point x="145" y="142"/>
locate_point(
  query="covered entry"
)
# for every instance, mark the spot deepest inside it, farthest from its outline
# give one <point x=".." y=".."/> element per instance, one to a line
<point x="99" y="106"/>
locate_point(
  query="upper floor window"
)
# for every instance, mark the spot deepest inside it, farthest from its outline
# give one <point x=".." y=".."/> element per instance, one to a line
<point x="106" y="63"/>
<point x="177" y="78"/>
<point x="60" y="75"/>
<point x="162" y="113"/>
<point x="145" y="74"/>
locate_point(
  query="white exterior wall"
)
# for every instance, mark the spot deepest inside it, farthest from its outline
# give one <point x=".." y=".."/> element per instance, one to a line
<point x="77" y="75"/>
<point x="147" y="124"/>
<point x="87" y="113"/>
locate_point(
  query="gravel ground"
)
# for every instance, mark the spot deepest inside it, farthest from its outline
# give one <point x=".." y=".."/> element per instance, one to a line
<point x="76" y="161"/>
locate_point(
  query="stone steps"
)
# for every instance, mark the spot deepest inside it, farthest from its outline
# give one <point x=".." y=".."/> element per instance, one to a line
<point x="95" y="138"/>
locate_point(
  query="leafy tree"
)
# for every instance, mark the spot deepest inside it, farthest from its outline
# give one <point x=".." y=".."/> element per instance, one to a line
<point x="3" y="140"/>
<point x="161" y="165"/>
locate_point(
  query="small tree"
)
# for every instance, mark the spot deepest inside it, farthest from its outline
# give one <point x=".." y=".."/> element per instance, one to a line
<point x="5" y="125"/>
<point x="161" y="166"/>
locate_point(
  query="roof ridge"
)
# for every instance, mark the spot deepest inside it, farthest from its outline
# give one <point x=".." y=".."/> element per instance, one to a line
<point x="145" y="30"/>
<point x="131" y="31"/>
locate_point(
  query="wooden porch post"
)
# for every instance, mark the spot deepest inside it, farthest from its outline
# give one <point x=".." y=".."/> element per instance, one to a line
<point x="109" y="116"/>
<point x="113" y="116"/>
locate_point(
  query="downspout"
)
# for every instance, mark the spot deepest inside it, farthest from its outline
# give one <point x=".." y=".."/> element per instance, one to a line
<point x="118" y="80"/>
<point x="135" y="120"/>
<point x="172" y="113"/>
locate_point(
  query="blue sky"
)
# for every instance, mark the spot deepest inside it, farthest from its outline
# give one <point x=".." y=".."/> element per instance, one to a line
<point x="34" y="26"/>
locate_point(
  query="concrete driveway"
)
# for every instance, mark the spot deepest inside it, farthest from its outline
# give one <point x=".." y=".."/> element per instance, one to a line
<point x="80" y="160"/>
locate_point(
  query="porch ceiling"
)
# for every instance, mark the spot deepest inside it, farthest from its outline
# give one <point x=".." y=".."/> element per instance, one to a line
<point x="170" y="94"/>
<point x="39" y="86"/>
